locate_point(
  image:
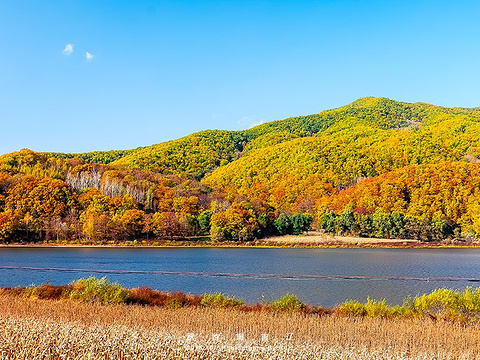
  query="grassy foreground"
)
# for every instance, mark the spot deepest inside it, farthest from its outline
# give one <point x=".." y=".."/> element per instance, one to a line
<point x="48" y="329"/>
<point x="96" y="319"/>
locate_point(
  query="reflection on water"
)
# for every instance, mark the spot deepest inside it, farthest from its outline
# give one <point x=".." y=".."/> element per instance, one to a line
<point x="317" y="276"/>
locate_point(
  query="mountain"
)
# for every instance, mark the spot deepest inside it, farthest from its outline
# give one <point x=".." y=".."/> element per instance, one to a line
<point x="366" y="168"/>
<point x="368" y="138"/>
<point x="200" y="153"/>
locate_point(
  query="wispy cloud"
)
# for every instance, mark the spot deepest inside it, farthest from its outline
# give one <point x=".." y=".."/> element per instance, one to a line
<point x="89" y="56"/>
<point x="247" y="122"/>
<point x="68" y="50"/>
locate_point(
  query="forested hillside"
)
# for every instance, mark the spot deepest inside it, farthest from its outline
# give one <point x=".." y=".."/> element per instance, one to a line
<point x="375" y="167"/>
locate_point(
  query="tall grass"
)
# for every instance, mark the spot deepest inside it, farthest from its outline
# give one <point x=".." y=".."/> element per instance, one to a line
<point x="47" y="329"/>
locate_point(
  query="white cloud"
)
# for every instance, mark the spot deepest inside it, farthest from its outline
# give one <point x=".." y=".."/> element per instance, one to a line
<point x="259" y="122"/>
<point x="68" y="50"/>
<point x="247" y="122"/>
<point x="89" y="56"/>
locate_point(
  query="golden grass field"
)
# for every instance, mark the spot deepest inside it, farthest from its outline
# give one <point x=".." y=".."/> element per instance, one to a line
<point x="52" y="329"/>
<point x="318" y="238"/>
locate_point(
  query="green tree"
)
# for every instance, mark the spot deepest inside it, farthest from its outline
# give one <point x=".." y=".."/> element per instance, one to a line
<point x="345" y="222"/>
<point x="283" y="224"/>
<point x="365" y="224"/>
<point x="204" y="220"/>
<point x="397" y="225"/>
<point x="382" y="225"/>
<point x="301" y="223"/>
<point x="266" y="221"/>
<point x="327" y="222"/>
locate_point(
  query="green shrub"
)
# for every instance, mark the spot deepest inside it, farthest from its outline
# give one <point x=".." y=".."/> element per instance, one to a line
<point x="440" y="304"/>
<point x="376" y="308"/>
<point x="444" y="303"/>
<point x="98" y="290"/>
<point x="352" y="308"/>
<point x="398" y="311"/>
<point x="449" y="304"/>
<point x="219" y="300"/>
<point x="472" y="299"/>
<point x="288" y="303"/>
<point x="372" y="309"/>
<point x="173" y="303"/>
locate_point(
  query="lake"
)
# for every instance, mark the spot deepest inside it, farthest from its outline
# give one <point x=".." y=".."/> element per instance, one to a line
<point x="317" y="276"/>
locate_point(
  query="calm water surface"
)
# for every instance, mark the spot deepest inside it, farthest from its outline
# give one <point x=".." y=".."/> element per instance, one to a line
<point x="463" y="263"/>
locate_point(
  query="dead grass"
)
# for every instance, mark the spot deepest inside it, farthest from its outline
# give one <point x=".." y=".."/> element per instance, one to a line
<point x="314" y="238"/>
<point x="47" y="329"/>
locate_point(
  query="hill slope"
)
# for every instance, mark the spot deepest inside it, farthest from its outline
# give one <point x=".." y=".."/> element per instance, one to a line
<point x="368" y="138"/>
<point x="200" y="153"/>
<point x="375" y="167"/>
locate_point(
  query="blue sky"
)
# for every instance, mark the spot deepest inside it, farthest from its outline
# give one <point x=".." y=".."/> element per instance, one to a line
<point x="159" y="70"/>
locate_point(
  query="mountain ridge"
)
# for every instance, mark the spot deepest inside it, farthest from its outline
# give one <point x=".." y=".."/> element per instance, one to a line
<point x="224" y="146"/>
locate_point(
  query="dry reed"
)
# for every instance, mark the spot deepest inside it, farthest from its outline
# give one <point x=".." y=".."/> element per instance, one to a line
<point x="45" y="329"/>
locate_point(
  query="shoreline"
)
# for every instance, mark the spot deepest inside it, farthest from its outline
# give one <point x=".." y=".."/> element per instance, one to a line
<point x="308" y="240"/>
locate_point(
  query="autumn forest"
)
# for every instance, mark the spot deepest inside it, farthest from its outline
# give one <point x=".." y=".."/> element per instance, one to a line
<point x="373" y="168"/>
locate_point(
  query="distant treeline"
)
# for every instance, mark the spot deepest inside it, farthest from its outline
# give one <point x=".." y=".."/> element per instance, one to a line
<point x="391" y="226"/>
